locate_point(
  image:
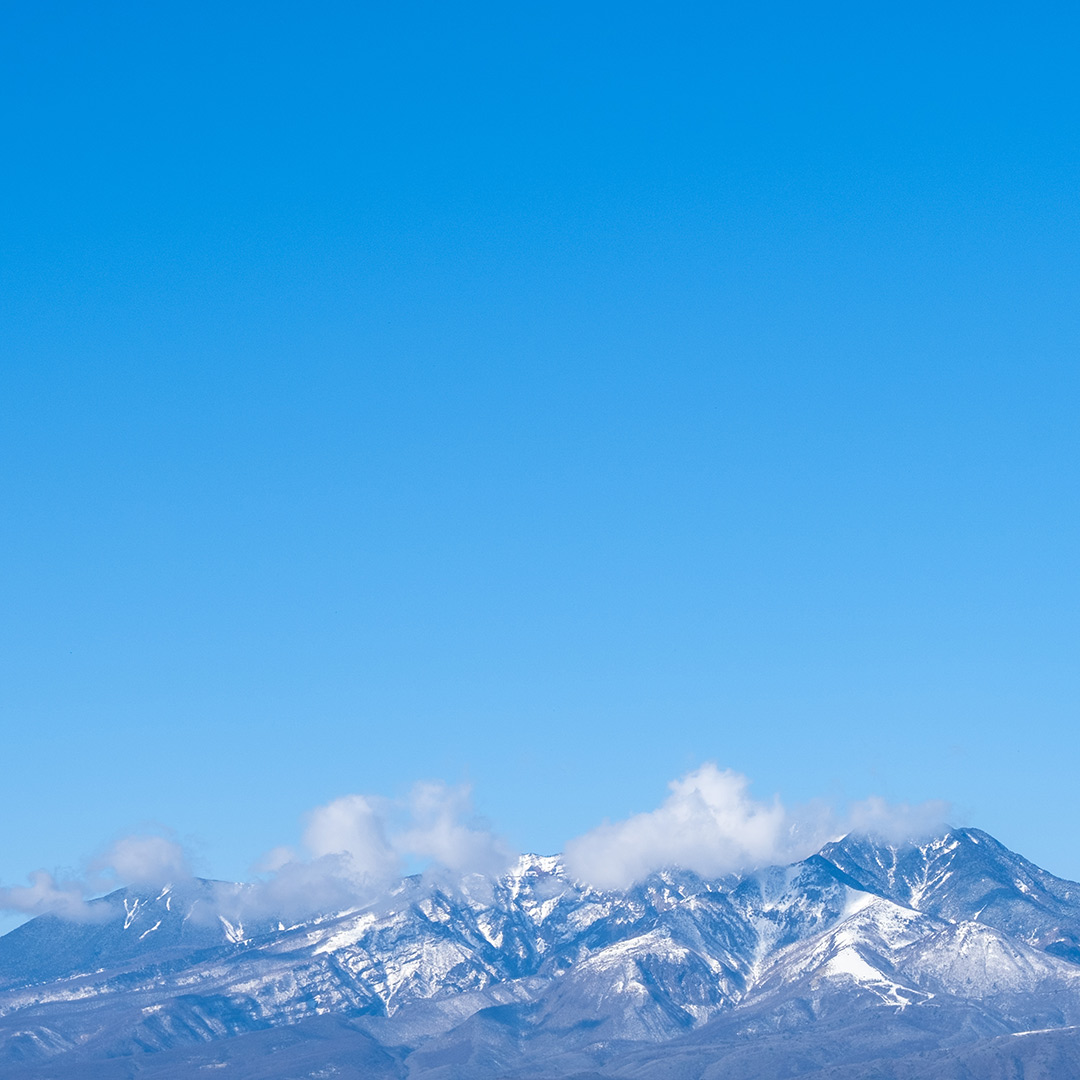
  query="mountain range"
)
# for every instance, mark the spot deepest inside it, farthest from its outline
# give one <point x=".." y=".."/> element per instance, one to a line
<point x="951" y="957"/>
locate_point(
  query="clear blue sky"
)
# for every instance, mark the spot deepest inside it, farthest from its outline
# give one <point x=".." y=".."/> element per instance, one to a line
<point x="550" y="397"/>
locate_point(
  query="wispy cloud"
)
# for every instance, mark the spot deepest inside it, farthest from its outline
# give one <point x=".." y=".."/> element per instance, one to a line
<point x="896" y="822"/>
<point x="43" y="894"/>
<point x="355" y="848"/>
<point x="144" y="859"/>
<point x="139" y="859"/>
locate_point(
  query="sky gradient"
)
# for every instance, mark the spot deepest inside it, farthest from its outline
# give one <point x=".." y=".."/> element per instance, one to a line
<point x="548" y="400"/>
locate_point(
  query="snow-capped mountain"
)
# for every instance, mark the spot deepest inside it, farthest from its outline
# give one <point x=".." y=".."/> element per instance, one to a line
<point x="918" y="959"/>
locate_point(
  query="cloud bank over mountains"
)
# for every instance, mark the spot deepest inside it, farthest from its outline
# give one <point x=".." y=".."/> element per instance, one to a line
<point x="355" y="848"/>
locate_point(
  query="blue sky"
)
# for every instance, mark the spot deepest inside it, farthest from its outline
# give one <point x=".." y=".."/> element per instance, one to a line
<point x="549" y="400"/>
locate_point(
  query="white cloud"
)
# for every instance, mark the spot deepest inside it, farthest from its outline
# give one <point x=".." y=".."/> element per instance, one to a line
<point x="346" y="861"/>
<point x="140" y="859"/>
<point x="44" y="894"/>
<point x="441" y="831"/>
<point x="354" y="829"/>
<point x="274" y="860"/>
<point x="896" y="822"/>
<point x="711" y="824"/>
<point x="145" y="860"/>
<point x="355" y="848"/>
<point x="299" y="888"/>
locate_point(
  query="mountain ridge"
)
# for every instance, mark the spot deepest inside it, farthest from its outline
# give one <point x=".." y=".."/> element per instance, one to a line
<point x="533" y="973"/>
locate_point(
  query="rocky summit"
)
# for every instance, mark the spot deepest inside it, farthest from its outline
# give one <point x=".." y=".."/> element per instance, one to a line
<point x="947" y="958"/>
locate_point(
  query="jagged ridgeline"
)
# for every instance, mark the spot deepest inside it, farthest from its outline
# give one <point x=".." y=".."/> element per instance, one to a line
<point x="950" y="958"/>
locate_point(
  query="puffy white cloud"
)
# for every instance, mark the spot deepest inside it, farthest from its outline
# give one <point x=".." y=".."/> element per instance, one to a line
<point x="140" y="859"/>
<point x="709" y="824"/>
<point x="44" y="894"/>
<point x="712" y="825"/>
<point x="354" y="829"/>
<point x="145" y="860"/>
<point x="357" y="846"/>
<point x="346" y="861"/>
<point x="442" y="832"/>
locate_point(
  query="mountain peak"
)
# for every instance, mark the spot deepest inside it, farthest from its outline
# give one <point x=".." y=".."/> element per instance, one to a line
<point x="537" y="972"/>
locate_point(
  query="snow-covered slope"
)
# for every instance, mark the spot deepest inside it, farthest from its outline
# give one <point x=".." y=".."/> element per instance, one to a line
<point x="967" y="875"/>
<point x="536" y="974"/>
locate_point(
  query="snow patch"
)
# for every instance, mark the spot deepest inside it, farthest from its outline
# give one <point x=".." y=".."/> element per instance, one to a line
<point x="235" y="934"/>
<point x="130" y="911"/>
<point x="151" y="930"/>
